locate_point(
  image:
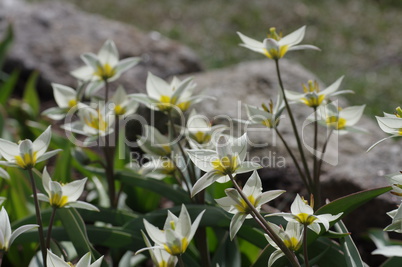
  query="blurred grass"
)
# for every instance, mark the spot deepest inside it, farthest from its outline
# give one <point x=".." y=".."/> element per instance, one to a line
<point x="359" y="38"/>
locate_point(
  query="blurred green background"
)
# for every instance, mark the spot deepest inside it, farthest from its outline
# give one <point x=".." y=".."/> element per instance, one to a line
<point x="360" y="39"/>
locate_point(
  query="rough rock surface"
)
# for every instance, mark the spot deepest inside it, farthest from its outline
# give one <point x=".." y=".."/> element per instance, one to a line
<point x="51" y="36"/>
<point x="255" y="83"/>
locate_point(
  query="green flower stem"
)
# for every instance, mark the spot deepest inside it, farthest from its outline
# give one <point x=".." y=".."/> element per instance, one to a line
<point x="316" y="178"/>
<point x="292" y="120"/>
<point x="38" y="217"/>
<point x="324" y="148"/>
<point x="306" y="264"/>
<point x="294" y="160"/>
<point x="181" y="262"/>
<point x="49" y="228"/>
<point x="106" y="90"/>
<point x="182" y="178"/>
<point x="263" y="223"/>
<point x="108" y="152"/>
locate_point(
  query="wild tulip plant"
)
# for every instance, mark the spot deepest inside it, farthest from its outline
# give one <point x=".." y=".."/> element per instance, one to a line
<point x="187" y="173"/>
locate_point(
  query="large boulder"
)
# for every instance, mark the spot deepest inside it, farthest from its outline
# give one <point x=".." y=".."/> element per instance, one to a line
<point x="51" y="36"/>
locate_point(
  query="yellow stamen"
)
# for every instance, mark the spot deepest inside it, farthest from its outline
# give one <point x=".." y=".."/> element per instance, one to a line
<point x="26" y="161"/>
<point x="96" y="122"/>
<point x="313" y="100"/>
<point x="305" y="218"/>
<point x="276" y="53"/>
<point x="119" y="110"/>
<point x="72" y="103"/>
<point x="105" y="72"/>
<point x="58" y="201"/>
<point x="243" y="207"/>
<point x="292" y="243"/>
<point x="226" y="165"/>
<point x="168" y="167"/>
<point x="336" y="122"/>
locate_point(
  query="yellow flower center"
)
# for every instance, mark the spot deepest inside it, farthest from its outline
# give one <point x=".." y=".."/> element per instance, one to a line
<point x="119" y="110"/>
<point x="276" y="53"/>
<point x="72" y="103"/>
<point x="305" y="218"/>
<point x="105" y="72"/>
<point x="168" y="167"/>
<point x="292" y="243"/>
<point x="226" y="165"/>
<point x="313" y="100"/>
<point x="58" y="201"/>
<point x="201" y="137"/>
<point x="177" y="249"/>
<point x="166" y="103"/>
<point x="336" y="122"/>
<point x="26" y="161"/>
<point x="243" y="207"/>
<point x="97" y="122"/>
<point x="183" y="106"/>
<point x="400" y="131"/>
<point x="268" y="123"/>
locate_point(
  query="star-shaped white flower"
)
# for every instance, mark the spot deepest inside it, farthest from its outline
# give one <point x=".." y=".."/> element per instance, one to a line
<point x="303" y="213"/>
<point x="177" y="232"/>
<point x="123" y="105"/>
<point x="64" y="195"/>
<point x="105" y="66"/>
<point x="200" y="134"/>
<point x="275" y="47"/>
<point x="27" y="153"/>
<point x="53" y="260"/>
<point x="228" y="159"/>
<point x="313" y="96"/>
<point x="160" y="257"/>
<point x="7" y="237"/>
<point x="341" y="120"/>
<point x="268" y="116"/>
<point x="236" y="205"/>
<point x="391" y="124"/>
<point x="165" y="96"/>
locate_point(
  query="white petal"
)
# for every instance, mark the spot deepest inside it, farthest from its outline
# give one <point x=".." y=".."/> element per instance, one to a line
<point x="206" y="180"/>
<point x="269" y="195"/>
<point x="249" y="42"/>
<point x="253" y="186"/>
<point x="126" y="64"/>
<point x="97" y="263"/>
<point x="352" y="114"/>
<point x="54" y="261"/>
<point x="154" y="233"/>
<point x="304" y="47"/>
<point x="333" y="87"/>
<point x="248" y="166"/>
<point x="293" y="38"/>
<point x="315" y="227"/>
<point x="9" y="150"/>
<point x="299" y="206"/>
<point x="184" y="222"/>
<point x="156" y="87"/>
<point x="389" y="251"/>
<point x="275" y="256"/>
<point x="389" y="124"/>
<point x="4" y="174"/>
<point x="5" y="227"/>
<point x="202" y="158"/>
<point x="195" y="224"/>
<point x="109" y="54"/>
<point x="83" y="205"/>
<point x="239" y="147"/>
<point x="85" y="73"/>
<point x="74" y="189"/>
<point x="46" y="181"/>
<point x="21" y="230"/>
<point x="85" y="261"/>
<point x="48" y="155"/>
<point x="236" y="223"/>
<point x="91" y="60"/>
<point x="41" y="143"/>
<point x="63" y="94"/>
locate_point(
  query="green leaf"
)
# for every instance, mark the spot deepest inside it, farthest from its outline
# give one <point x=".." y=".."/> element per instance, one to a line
<point x="31" y="95"/>
<point x="62" y="169"/>
<point x="351" y="202"/>
<point x="76" y="230"/>
<point x="174" y="193"/>
<point x="227" y="254"/>
<point x="8" y="86"/>
<point x="325" y="252"/>
<point x="352" y="255"/>
<point x="108" y="215"/>
<point x="5" y="44"/>
<point x="393" y="262"/>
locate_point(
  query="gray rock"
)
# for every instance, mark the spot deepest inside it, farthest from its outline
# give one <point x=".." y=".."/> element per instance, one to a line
<point x="51" y="36"/>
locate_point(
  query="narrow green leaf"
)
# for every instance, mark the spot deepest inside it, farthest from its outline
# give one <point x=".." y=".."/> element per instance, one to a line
<point x="108" y="215"/>
<point x="227" y="254"/>
<point x="5" y="44"/>
<point x="31" y="95"/>
<point x="76" y="230"/>
<point x="62" y="169"/>
<point x="8" y="86"/>
<point x="351" y="202"/>
<point x="393" y="262"/>
<point x="352" y="255"/>
<point x="175" y="194"/>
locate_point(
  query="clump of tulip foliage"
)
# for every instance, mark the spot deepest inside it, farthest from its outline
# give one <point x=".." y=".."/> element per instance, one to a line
<point x="179" y="201"/>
